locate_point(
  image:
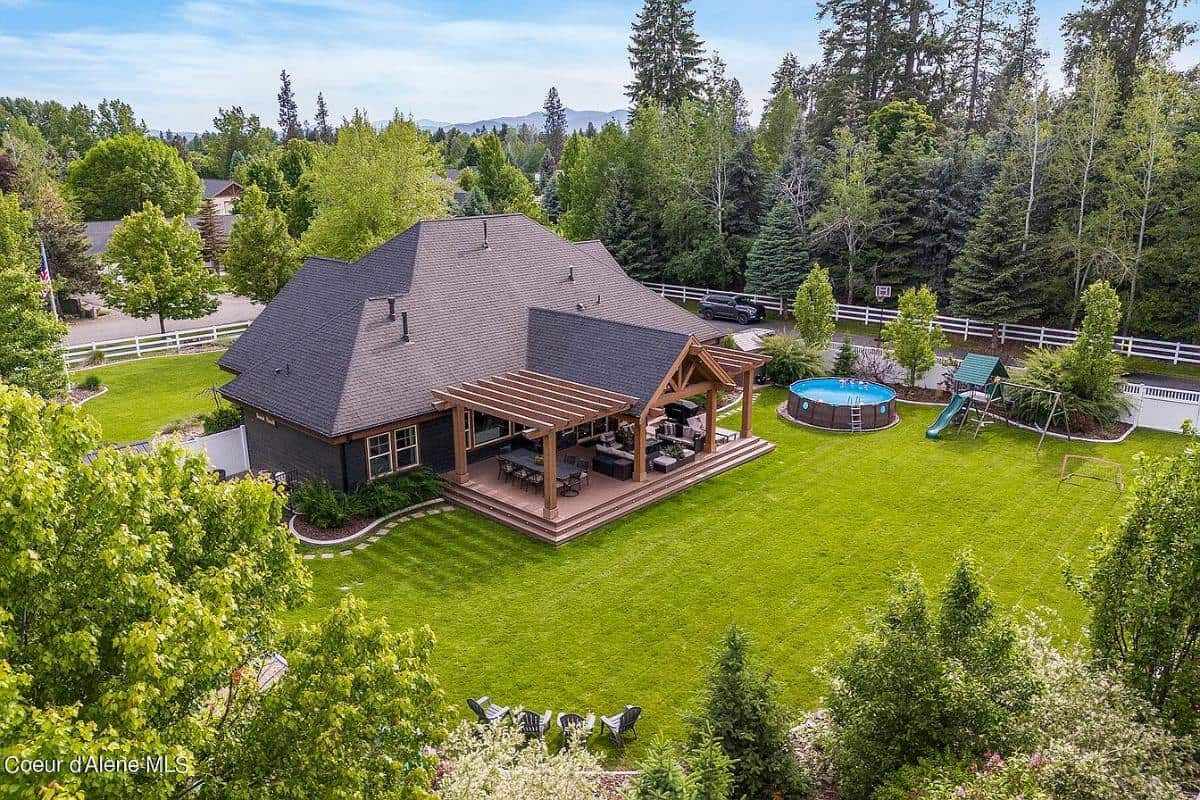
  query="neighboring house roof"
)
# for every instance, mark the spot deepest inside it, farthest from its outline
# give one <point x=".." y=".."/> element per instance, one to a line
<point x="452" y="174"/>
<point x="215" y="187"/>
<point x="98" y="233"/>
<point x="323" y="354"/>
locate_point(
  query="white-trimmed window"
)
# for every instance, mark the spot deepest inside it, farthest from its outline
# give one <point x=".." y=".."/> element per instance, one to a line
<point x="379" y="455"/>
<point x="406" y="447"/>
<point x="486" y="428"/>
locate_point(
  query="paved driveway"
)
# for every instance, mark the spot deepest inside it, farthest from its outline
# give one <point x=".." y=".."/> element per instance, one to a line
<point x="115" y="325"/>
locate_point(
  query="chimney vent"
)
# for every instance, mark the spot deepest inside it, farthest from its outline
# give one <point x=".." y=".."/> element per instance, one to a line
<point x="404" y="326"/>
<point x="391" y="309"/>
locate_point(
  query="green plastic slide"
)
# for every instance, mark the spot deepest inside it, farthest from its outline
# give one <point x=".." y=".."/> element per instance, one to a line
<point x="953" y="407"/>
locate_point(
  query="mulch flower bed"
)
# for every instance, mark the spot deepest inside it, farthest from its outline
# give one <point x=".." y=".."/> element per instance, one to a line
<point x="919" y="394"/>
<point x="78" y="395"/>
<point x="310" y="531"/>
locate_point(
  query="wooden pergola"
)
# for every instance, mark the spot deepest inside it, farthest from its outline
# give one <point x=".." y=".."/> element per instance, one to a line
<point x="743" y="365"/>
<point x="543" y="404"/>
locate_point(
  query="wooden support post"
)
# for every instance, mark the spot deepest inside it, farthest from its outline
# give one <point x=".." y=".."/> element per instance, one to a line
<point x="550" y="474"/>
<point x="710" y="421"/>
<point x="458" y="419"/>
<point x="747" y="401"/>
<point x="639" y="449"/>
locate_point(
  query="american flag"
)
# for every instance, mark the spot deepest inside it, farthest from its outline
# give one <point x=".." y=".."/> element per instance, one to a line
<point x="44" y="278"/>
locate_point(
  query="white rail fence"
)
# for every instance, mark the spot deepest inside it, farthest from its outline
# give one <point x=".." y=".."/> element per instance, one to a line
<point x="141" y="346"/>
<point x="1172" y="352"/>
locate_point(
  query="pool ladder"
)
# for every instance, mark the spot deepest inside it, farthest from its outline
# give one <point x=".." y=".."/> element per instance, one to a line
<point x="856" y="413"/>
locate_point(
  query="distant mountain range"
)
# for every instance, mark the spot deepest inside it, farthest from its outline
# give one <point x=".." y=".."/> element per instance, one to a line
<point x="576" y="121"/>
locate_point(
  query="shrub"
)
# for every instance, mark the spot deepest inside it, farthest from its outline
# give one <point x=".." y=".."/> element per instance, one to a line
<point x="918" y="683"/>
<point x="846" y="361"/>
<point x="394" y="492"/>
<point x="989" y="778"/>
<point x="321" y="504"/>
<point x="740" y="708"/>
<point x="791" y="358"/>
<point x="1144" y="588"/>
<point x="495" y="762"/>
<point x="1054" y="369"/>
<point x="224" y="418"/>
<point x="90" y="382"/>
<point x="874" y="365"/>
<point x="95" y="356"/>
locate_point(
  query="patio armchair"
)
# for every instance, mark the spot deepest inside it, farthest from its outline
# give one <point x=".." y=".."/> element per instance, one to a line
<point x="532" y="725"/>
<point x="696" y="426"/>
<point x="487" y="711"/>
<point x="576" y="728"/>
<point x="621" y="724"/>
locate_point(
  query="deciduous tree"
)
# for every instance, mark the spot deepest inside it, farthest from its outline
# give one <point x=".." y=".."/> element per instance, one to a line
<point x="814" y="309"/>
<point x="913" y="337"/>
<point x="120" y="174"/>
<point x="157" y="270"/>
<point x="261" y="256"/>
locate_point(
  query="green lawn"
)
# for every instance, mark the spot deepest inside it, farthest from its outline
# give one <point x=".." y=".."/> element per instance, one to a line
<point x="150" y="394"/>
<point x="794" y="546"/>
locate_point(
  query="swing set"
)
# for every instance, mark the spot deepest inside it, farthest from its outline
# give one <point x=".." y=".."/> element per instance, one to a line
<point x="981" y="381"/>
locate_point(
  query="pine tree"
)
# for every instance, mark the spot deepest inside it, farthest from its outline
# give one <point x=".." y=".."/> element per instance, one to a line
<point x="958" y="179"/>
<point x="476" y="204"/>
<point x="787" y="74"/>
<point x="1130" y="32"/>
<point x="740" y="708"/>
<point x="550" y="202"/>
<point x="900" y="178"/>
<point x="980" y="30"/>
<point x="289" y="116"/>
<point x="744" y="196"/>
<point x="665" y="54"/>
<point x="554" y="132"/>
<point x="213" y="239"/>
<point x="846" y="360"/>
<point x="993" y="278"/>
<point x="779" y="259"/>
<point x="324" y="131"/>
<point x="625" y="232"/>
<point x="66" y="243"/>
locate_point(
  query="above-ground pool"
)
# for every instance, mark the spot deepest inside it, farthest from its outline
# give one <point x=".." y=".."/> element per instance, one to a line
<point x="842" y="404"/>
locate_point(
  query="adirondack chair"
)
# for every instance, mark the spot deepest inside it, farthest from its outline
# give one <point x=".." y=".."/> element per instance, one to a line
<point x="575" y="727"/>
<point x="621" y="724"/>
<point x="532" y="725"/>
<point x="487" y="711"/>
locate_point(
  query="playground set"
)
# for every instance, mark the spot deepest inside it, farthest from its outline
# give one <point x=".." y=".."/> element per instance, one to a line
<point x="979" y="385"/>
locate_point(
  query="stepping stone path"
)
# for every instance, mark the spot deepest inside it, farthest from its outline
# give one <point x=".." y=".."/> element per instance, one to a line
<point x="381" y="531"/>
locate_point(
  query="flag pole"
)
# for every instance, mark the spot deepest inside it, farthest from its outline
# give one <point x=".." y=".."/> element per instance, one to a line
<point x="48" y="293"/>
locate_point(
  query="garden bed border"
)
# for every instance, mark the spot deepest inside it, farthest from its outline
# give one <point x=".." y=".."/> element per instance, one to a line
<point x="359" y="534"/>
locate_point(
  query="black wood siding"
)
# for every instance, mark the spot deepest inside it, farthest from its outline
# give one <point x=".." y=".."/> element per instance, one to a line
<point x="278" y="447"/>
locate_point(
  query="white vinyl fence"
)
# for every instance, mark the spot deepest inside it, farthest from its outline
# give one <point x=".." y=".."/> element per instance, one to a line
<point x="957" y="327"/>
<point x="225" y="450"/>
<point x="140" y="346"/>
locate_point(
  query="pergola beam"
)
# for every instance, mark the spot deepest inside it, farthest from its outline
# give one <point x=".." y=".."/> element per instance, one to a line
<point x="560" y="383"/>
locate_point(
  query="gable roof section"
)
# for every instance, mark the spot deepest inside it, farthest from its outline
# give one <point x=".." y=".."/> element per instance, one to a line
<point x="624" y="358"/>
<point x="324" y="355"/>
<point x="100" y="232"/>
<point x="978" y="370"/>
<point x="215" y="187"/>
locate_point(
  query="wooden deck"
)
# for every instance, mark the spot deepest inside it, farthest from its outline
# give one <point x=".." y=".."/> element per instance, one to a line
<point x="604" y="500"/>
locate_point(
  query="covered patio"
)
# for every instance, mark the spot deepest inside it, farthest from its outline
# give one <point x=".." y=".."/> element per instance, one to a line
<point x="611" y="452"/>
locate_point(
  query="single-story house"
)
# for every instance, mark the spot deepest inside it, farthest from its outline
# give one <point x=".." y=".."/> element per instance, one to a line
<point x="99" y="233"/>
<point x="222" y="192"/>
<point x="486" y="349"/>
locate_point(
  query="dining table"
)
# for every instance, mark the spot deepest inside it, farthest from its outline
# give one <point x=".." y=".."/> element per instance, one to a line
<point x="527" y="459"/>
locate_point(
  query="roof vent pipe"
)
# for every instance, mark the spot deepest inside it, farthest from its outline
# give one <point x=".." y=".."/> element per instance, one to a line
<point x="597" y="298"/>
<point x="485" y="241"/>
<point x="391" y="309"/>
<point x="571" y="272"/>
<point x="404" y="326"/>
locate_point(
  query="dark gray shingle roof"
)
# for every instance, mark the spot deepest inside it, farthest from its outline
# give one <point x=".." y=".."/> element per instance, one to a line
<point x="324" y="356"/>
<point x="624" y="358"/>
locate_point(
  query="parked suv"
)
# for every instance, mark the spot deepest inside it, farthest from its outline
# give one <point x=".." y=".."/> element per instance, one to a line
<point x="729" y="306"/>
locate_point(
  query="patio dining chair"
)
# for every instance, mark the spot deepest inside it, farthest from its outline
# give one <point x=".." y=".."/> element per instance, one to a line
<point x="534" y="479"/>
<point x="487" y="711"/>
<point x="532" y="725"/>
<point x="521" y="475"/>
<point x="621" y="724"/>
<point x="576" y="728"/>
<point x="504" y="470"/>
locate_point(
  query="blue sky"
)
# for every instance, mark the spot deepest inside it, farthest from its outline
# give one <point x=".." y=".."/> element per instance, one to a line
<point x="451" y="61"/>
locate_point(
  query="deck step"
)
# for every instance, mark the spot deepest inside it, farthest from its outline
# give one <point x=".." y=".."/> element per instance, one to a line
<point x="638" y="496"/>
